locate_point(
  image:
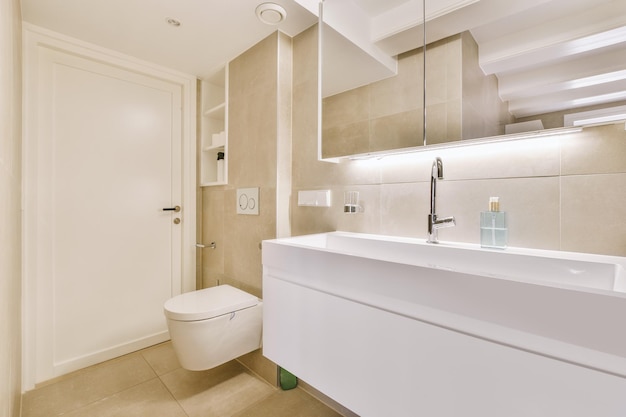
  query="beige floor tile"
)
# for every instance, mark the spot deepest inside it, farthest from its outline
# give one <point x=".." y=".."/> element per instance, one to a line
<point x="292" y="403"/>
<point x="147" y="399"/>
<point x="161" y="358"/>
<point x="218" y="392"/>
<point x="87" y="386"/>
<point x="263" y="367"/>
<point x="129" y="387"/>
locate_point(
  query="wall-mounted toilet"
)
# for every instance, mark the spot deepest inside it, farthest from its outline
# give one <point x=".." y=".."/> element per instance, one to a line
<point x="212" y="326"/>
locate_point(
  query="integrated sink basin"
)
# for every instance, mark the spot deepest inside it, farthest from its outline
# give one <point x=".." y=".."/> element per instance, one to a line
<point x="543" y="267"/>
<point x="568" y="309"/>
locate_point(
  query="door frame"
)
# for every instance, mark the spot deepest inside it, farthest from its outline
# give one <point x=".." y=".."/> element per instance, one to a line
<point x="35" y="262"/>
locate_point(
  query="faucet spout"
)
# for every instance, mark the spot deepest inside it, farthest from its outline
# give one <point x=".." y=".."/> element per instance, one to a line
<point x="435" y="223"/>
<point x="435" y="174"/>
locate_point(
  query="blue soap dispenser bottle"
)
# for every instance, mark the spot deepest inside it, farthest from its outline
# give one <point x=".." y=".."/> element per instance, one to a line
<point x="493" y="228"/>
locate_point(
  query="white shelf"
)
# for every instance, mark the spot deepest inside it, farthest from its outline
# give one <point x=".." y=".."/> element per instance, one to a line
<point x="213" y="148"/>
<point x="214" y="122"/>
<point x="217" y="112"/>
<point x="212" y="184"/>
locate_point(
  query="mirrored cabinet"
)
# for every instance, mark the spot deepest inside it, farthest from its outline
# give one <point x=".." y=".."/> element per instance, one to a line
<point x="465" y="72"/>
<point x="214" y="130"/>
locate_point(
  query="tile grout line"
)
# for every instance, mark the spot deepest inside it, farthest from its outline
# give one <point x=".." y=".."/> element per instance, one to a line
<point x="159" y="377"/>
<point x="171" y="393"/>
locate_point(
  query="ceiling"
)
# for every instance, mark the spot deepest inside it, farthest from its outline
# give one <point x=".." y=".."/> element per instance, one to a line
<point x="211" y="33"/>
<point x="539" y="49"/>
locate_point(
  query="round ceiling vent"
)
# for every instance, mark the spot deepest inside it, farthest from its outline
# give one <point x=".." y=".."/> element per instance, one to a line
<point x="271" y="13"/>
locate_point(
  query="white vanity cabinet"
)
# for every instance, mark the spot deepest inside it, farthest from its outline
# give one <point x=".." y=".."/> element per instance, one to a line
<point x="391" y="326"/>
<point x="214" y="130"/>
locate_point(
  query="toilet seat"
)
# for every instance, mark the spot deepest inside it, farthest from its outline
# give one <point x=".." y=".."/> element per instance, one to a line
<point x="208" y="303"/>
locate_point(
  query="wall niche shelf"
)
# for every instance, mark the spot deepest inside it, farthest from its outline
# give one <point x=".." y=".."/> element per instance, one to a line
<point x="214" y="129"/>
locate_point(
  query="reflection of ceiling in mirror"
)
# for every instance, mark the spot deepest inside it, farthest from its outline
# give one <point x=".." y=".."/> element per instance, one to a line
<point x="557" y="55"/>
<point x="548" y="55"/>
<point x="377" y="7"/>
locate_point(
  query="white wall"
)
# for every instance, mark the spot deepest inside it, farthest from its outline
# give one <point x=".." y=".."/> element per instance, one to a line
<point x="10" y="207"/>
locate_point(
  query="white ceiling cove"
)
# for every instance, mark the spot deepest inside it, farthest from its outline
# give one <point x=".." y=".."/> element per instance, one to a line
<point x="547" y="54"/>
<point x="211" y="33"/>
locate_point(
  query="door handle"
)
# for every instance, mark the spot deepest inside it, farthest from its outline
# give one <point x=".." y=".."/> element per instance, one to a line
<point x="201" y="246"/>
<point x="175" y="208"/>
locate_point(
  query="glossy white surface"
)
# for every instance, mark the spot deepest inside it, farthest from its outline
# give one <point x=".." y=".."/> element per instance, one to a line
<point x="205" y="344"/>
<point x="544" y="267"/>
<point x="208" y="303"/>
<point x="526" y="326"/>
<point x="214" y="325"/>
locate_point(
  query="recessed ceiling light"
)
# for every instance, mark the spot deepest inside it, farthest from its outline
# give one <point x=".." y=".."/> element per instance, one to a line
<point x="173" y="22"/>
<point x="271" y="13"/>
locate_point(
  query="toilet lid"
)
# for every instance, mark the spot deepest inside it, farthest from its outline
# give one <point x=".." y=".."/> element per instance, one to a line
<point x="208" y="303"/>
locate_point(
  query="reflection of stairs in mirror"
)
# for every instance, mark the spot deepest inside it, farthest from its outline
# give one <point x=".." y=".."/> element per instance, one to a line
<point x="569" y="58"/>
<point x="549" y="56"/>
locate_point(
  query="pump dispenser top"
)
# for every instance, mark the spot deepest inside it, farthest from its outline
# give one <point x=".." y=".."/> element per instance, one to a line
<point x="494" y="203"/>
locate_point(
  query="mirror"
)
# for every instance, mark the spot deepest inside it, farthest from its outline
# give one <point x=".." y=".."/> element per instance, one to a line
<point x="492" y="67"/>
<point x="371" y="101"/>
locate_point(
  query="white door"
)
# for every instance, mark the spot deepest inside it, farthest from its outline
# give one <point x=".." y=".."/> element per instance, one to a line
<point x="109" y="163"/>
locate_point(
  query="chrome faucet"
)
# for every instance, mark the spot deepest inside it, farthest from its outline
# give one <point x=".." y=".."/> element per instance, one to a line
<point x="434" y="224"/>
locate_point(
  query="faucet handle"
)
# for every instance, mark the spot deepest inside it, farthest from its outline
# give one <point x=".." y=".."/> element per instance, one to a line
<point x="445" y="222"/>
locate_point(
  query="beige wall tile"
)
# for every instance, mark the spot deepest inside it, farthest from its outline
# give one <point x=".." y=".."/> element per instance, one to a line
<point x="530" y="158"/>
<point x="252" y="139"/>
<point x="254" y="110"/>
<point x="255" y="69"/>
<point x="213" y="231"/>
<point x="438" y="86"/>
<point x="454" y="67"/>
<point x="366" y="221"/>
<point x="596" y="150"/>
<point x="346" y="108"/>
<point x="242" y="254"/>
<point x="406" y="168"/>
<point x="284" y="135"/>
<point x="401" y="130"/>
<point x="386" y="114"/>
<point x="532" y="206"/>
<point x="252" y="115"/>
<point x="594" y="213"/>
<point x="454" y="117"/>
<point x="305" y="58"/>
<point x="346" y="139"/>
<point x="482" y="106"/>
<point x="404" y="209"/>
<point x="437" y="123"/>
<point x="309" y="220"/>
<point x="402" y="92"/>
